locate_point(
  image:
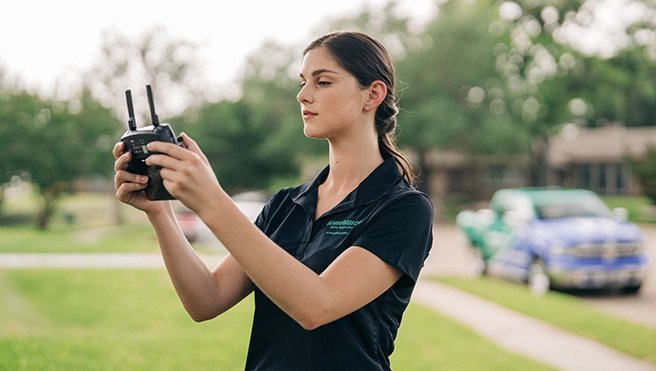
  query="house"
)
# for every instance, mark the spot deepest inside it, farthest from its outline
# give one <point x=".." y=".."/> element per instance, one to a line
<point x="592" y="158"/>
<point x="596" y="158"/>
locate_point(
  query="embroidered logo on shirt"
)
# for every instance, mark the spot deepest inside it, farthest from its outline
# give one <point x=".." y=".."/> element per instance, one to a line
<point x="336" y="227"/>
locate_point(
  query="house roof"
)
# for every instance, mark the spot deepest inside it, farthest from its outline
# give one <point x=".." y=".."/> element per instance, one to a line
<point x="612" y="143"/>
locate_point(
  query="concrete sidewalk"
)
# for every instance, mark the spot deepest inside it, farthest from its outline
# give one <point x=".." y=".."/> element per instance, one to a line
<point x="508" y="329"/>
<point x="525" y="335"/>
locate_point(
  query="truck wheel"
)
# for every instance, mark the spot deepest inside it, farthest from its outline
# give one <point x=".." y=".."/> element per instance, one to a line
<point x="631" y="290"/>
<point x="538" y="280"/>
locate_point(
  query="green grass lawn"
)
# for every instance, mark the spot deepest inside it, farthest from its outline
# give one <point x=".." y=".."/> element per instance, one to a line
<point x="640" y="208"/>
<point x="567" y="312"/>
<point x="110" y="320"/>
<point x="129" y="238"/>
<point x="429" y="341"/>
<point x="92" y="228"/>
<point x="79" y="210"/>
<point x="72" y="211"/>
<point x="137" y="237"/>
<point x="133" y="320"/>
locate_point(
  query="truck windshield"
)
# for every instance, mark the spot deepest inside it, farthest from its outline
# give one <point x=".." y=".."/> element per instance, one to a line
<point x="588" y="206"/>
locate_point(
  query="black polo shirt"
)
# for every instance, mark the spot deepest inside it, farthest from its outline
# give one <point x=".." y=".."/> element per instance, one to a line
<point x="384" y="215"/>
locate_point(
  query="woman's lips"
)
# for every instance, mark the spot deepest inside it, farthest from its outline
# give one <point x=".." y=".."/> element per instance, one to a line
<point x="308" y="114"/>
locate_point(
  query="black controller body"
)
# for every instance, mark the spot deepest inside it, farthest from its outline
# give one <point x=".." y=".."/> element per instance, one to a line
<point x="135" y="141"/>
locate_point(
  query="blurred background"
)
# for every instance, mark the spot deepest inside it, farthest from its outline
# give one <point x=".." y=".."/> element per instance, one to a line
<point x="493" y="95"/>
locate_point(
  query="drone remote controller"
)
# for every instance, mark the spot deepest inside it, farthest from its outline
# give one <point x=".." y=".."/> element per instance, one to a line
<point x="135" y="141"/>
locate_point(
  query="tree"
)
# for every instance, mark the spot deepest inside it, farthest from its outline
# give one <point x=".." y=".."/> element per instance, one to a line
<point x="17" y="110"/>
<point x="620" y="89"/>
<point x="55" y="143"/>
<point x="248" y="141"/>
<point x="385" y="24"/>
<point x="454" y="95"/>
<point x="170" y="65"/>
<point x="552" y="78"/>
<point x="154" y="58"/>
<point x="12" y="101"/>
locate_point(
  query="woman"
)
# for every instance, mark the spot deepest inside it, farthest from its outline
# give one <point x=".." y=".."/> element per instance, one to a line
<point x="332" y="262"/>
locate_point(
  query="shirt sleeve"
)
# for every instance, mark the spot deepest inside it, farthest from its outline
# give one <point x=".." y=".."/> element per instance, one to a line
<point x="401" y="235"/>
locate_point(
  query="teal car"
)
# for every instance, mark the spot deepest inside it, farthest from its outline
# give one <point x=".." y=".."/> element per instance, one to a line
<point x="556" y="237"/>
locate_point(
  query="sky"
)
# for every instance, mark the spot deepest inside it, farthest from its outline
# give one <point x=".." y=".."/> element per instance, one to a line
<point x="43" y="41"/>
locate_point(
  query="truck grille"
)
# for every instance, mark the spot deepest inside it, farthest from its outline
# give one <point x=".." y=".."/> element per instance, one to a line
<point x="606" y="250"/>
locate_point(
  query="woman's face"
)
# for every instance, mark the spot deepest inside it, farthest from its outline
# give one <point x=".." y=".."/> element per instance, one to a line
<point x="332" y="101"/>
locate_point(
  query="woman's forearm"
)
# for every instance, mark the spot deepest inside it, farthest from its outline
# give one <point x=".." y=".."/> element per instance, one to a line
<point x="295" y="288"/>
<point x="193" y="281"/>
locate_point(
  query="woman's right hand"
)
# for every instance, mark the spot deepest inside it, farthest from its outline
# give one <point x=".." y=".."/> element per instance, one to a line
<point x="129" y="187"/>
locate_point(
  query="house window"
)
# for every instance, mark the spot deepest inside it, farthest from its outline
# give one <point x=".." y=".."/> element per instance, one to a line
<point x="620" y="178"/>
<point x="583" y="176"/>
<point x="495" y="174"/>
<point x="504" y="175"/>
<point x="603" y="171"/>
<point x="602" y="178"/>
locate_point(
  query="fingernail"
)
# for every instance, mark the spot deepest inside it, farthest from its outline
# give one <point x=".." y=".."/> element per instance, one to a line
<point x="143" y="179"/>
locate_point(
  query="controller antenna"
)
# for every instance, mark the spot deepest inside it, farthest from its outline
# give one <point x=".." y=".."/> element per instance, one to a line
<point x="153" y="115"/>
<point x="132" y="122"/>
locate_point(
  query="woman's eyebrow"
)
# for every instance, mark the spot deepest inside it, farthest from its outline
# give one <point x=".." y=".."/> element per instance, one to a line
<point x="319" y="72"/>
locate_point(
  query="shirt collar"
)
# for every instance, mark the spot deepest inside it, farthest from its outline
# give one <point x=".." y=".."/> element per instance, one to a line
<point x="374" y="186"/>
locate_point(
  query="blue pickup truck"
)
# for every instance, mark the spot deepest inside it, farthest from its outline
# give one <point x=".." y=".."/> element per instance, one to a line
<point x="556" y="237"/>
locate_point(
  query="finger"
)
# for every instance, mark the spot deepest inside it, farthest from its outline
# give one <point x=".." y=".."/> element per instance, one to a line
<point x="127" y="177"/>
<point x="167" y="148"/>
<point x="123" y="177"/>
<point x="118" y="149"/>
<point x="126" y="188"/>
<point x="122" y="161"/>
<point x="171" y="177"/>
<point x="193" y="146"/>
<point x="164" y="161"/>
<point x="189" y="143"/>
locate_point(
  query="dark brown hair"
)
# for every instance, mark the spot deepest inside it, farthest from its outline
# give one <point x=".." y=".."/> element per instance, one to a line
<point x="368" y="60"/>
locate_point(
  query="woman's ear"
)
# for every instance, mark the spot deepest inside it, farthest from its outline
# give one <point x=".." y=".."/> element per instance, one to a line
<point x="377" y="92"/>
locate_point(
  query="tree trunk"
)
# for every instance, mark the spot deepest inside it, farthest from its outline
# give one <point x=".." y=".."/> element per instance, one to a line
<point x="49" y="195"/>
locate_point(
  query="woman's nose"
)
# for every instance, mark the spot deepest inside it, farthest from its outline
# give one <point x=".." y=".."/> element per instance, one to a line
<point x="303" y="96"/>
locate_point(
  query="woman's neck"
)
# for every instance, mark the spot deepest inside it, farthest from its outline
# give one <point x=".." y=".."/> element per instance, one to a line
<point x="351" y="163"/>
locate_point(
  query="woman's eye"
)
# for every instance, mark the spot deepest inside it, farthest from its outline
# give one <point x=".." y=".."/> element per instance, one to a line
<point x="320" y="83"/>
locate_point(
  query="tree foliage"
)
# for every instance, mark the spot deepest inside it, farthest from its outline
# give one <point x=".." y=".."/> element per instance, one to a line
<point x="489" y="77"/>
<point x="550" y="80"/>
<point x="171" y="65"/>
<point x="257" y="140"/>
<point x="645" y="169"/>
<point x="54" y="143"/>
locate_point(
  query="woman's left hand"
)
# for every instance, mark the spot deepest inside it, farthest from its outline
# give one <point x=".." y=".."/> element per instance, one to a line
<point x="187" y="174"/>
